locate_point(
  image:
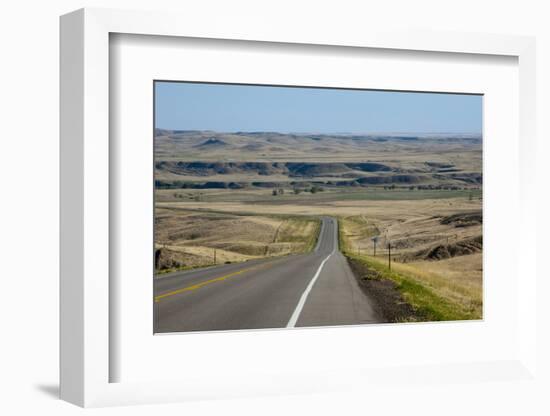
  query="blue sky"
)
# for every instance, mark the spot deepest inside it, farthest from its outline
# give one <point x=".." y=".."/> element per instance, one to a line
<point x="227" y="108"/>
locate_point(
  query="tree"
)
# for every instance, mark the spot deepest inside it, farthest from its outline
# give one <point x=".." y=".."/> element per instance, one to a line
<point x="297" y="191"/>
<point x="274" y="192"/>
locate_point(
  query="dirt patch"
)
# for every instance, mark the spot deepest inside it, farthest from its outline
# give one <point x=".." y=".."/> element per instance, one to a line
<point x="389" y="302"/>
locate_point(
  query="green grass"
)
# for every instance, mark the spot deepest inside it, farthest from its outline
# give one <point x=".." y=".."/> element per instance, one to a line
<point x="346" y="194"/>
<point x="422" y="298"/>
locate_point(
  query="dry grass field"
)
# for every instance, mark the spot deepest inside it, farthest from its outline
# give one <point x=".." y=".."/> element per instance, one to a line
<point x="188" y="239"/>
<point x="337" y="202"/>
<point x="437" y="241"/>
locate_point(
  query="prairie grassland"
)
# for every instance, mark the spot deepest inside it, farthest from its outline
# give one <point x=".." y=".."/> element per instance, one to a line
<point x="244" y="195"/>
<point x="189" y="239"/>
<point x="388" y="208"/>
<point x="415" y="227"/>
<point x="446" y="289"/>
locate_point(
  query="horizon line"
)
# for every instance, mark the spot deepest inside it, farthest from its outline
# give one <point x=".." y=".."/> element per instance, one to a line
<point x="339" y="133"/>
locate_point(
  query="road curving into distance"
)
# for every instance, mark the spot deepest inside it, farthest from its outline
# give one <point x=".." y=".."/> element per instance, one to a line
<point x="314" y="289"/>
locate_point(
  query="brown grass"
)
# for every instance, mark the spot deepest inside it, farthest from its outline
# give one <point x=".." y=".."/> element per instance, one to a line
<point x="195" y="239"/>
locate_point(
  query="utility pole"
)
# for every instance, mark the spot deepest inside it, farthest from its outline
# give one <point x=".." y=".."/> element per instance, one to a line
<point x="374" y="241"/>
<point x="214" y="256"/>
<point x="389" y="255"/>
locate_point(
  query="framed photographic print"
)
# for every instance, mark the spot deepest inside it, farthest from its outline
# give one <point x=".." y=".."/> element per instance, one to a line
<point x="262" y="213"/>
<point x="271" y="202"/>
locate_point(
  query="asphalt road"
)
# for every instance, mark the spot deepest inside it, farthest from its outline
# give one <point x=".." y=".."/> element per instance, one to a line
<point x="313" y="289"/>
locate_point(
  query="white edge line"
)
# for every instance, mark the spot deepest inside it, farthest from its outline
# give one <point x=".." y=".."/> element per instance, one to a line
<point x="302" y="302"/>
<point x="296" y="314"/>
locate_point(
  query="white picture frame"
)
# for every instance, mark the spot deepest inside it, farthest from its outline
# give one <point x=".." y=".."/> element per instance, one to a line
<point x="86" y="353"/>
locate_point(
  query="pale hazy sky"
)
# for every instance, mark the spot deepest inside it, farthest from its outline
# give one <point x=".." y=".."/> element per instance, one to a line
<point x="227" y="108"/>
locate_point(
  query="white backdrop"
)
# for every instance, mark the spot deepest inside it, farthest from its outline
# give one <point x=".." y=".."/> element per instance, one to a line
<point x="29" y="224"/>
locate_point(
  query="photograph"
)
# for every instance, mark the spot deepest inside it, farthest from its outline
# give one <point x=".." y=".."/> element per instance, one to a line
<point x="282" y="206"/>
<point x="276" y="208"/>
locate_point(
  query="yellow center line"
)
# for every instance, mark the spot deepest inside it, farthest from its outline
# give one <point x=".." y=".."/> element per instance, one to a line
<point x="207" y="282"/>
